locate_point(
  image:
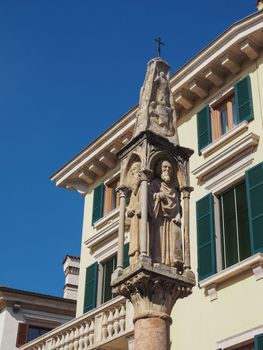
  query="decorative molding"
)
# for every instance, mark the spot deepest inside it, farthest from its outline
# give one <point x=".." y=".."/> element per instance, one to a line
<point x="224" y="159"/>
<point x="231" y="63"/>
<point x="106" y="219"/>
<point x="226" y="138"/>
<point x="104" y="242"/>
<point x="210" y="284"/>
<point x="240" y="338"/>
<point x="250" y="49"/>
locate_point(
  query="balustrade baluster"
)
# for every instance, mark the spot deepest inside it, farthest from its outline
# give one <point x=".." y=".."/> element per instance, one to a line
<point x="66" y="340"/>
<point x="110" y="324"/>
<point x="61" y="343"/>
<point x="122" y="319"/>
<point x="91" y="333"/>
<point x="116" y="321"/>
<point x="71" y="340"/>
<point x="104" y="327"/>
<point x="81" y="337"/>
<point x="76" y="338"/>
<point x="53" y="344"/>
<point x="86" y="336"/>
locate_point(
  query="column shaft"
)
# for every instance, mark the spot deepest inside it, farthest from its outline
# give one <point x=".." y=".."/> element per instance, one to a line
<point x="120" y="255"/>
<point x="144" y="217"/>
<point x="152" y="333"/>
<point x="187" y="258"/>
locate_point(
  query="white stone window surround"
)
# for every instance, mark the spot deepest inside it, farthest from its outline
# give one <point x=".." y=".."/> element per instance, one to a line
<point x="229" y="165"/>
<point x="100" y="281"/>
<point x="239" y="339"/>
<point x="253" y="263"/>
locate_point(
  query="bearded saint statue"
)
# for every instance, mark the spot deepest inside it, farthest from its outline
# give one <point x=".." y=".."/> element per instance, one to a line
<point x="165" y="217"/>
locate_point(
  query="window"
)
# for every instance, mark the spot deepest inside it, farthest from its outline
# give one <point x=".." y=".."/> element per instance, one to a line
<point x="111" y="197"/>
<point x="241" y="213"/>
<point x="105" y="199"/>
<point x="234" y="225"/>
<point x="27" y="332"/>
<point x="215" y="121"/>
<point x="108" y="268"/>
<point x="93" y="282"/>
<point x="34" y="332"/>
<point x="224" y="116"/>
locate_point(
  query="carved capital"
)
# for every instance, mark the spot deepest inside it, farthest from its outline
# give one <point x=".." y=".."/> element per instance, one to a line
<point x="186" y="190"/>
<point x="146" y="174"/>
<point x="122" y="190"/>
<point x="152" y="292"/>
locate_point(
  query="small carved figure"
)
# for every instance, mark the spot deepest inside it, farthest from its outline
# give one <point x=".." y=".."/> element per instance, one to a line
<point x="162" y="89"/>
<point x="165" y="217"/>
<point x="134" y="210"/>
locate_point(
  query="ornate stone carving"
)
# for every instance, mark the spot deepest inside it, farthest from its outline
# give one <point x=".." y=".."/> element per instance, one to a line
<point x="133" y="211"/>
<point x="153" y="291"/>
<point x="155" y="169"/>
<point x="156" y="108"/>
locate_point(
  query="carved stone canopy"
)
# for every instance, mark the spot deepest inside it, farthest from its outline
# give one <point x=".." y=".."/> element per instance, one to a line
<point x="156" y="107"/>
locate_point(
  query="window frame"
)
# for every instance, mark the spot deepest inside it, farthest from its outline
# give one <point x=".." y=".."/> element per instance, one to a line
<point x="216" y="131"/>
<point x="112" y="258"/>
<point x="111" y="195"/>
<point x="221" y="250"/>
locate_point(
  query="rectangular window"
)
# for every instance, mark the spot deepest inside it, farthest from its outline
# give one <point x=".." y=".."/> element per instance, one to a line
<point x="216" y="120"/>
<point x="234" y="225"/>
<point x="224" y="116"/>
<point x="35" y="332"/>
<point x="108" y="268"/>
<point x="111" y="196"/>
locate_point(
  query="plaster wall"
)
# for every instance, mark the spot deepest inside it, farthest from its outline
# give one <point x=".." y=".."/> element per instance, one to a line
<point x="8" y="329"/>
<point x="238" y="306"/>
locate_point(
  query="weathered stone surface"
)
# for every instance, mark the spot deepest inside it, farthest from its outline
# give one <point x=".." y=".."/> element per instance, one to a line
<point x="152" y="333"/>
<point x="153" y="289"/>
<point x="156" y="108"/>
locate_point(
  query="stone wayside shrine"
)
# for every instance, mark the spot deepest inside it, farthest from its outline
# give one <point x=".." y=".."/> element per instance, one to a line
<point x="154" y="186"/>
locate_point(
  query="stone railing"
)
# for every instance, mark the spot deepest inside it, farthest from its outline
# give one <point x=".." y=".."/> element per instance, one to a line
<point x="107" y="323"/>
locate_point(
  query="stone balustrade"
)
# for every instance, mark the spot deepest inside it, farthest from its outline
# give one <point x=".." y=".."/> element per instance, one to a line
<point x="110" y="322"/>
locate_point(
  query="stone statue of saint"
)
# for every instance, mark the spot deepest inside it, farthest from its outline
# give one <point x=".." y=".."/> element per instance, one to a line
<point x="160" y="110"/>
<point x="165" y="217"/>
<point x="134" y="210"/>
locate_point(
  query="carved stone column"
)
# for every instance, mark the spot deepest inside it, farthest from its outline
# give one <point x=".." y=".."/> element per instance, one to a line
<point x="145" y="177"/>
<point x="120" y="256"/>
<point x="155" y="169"/>
<point x="186" y="198"/>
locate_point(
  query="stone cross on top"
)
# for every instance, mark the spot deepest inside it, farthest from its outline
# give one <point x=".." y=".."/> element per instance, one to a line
<point x="159" y="43"/>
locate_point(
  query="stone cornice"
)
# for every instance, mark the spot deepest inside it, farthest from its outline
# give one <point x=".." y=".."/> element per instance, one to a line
<point x="32" y="301"/>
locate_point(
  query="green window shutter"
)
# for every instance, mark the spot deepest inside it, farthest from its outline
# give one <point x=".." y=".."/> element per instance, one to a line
<point x="244" y="100"/>
<point x="204" y="128"/>
<point x="259" y="342"/>
<point x="98" y="199"/>
<point x="254" y="183"/>
<point x="205" y="237"/>
<point x="126" y="261"/>
<point x="108" y="269"/>
<point x="90" y="299"/>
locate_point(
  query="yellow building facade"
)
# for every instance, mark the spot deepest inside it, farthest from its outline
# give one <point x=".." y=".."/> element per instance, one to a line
<point x="219" y="100"/>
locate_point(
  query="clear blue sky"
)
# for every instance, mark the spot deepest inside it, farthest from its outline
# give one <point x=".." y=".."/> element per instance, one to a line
<point x="68" y="70"/>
